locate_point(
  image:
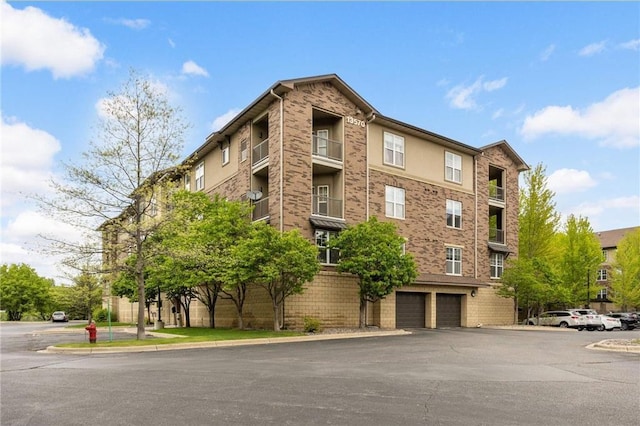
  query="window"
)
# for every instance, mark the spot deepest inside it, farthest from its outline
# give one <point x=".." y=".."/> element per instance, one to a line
<point x="602" y="294"/>
<point x="244" y="152"/>
<point x="454" y="261"/>
<point x="602" y="275"/>
<point x="200" y="176"/>
<point x="153" y="206"/>
<point x="454" y="214"/>
<point x="497" y="265"/>
<point x="322" y="141"/>
<point x="321" y="193"/>
<point x="325" y="255"/>
<point x="187" y="182"/>
<point x="605" y="255"/>
<point x="394" y="198"/>
<point x="393" y="149"/>
<point x="453" y="167"/>
<point x="225" y="155"/>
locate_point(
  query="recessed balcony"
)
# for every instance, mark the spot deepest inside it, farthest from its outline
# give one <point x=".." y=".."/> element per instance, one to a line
<point x="327" y="206"/>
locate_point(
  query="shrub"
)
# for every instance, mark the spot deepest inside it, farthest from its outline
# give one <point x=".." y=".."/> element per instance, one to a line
<point x="102" y="315"/>
<point x="311" y="325"/>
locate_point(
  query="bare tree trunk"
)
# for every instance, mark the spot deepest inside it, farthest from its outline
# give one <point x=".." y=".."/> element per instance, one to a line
<point x="363" y="312"/>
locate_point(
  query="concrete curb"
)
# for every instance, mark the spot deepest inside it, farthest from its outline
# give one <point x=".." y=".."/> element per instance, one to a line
<point x="219" y="343"/>
<point x="606" y="345"/>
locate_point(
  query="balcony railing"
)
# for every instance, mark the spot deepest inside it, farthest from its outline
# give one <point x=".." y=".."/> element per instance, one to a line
<point x="496" y="235"/>
<point x="326" y="206"/>
<point x="496" y="193"/>
<point x="327" y="148"/>
<point x="260" y="209"/>
<point x="260" y="152"/>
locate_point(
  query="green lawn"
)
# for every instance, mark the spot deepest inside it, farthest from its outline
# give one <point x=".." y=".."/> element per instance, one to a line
<point x="191" y="335"/>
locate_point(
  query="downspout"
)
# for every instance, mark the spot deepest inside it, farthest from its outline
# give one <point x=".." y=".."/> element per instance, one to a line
<point x="281" y="183"/>
<point x="369" y="120"/>
<point x="475" y="237"/>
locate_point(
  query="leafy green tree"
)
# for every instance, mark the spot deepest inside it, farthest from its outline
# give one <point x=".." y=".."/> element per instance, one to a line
<point x="23" y="290"/>
<point x="625" y="273"/>
<point x="373" y="251"/>
<point x="538" y="220"/>
<point x="125" y="285"/>
<point x="281" y="263"/>
<point x="124" y="176"/>
<point x="581" y="256"/>
<point x="87" y="293"/>
<point x="194" y="245"/>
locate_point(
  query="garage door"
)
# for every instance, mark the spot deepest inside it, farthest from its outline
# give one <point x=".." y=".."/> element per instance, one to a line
<point x="448" y="310"/>
<point x="410" y="310"/>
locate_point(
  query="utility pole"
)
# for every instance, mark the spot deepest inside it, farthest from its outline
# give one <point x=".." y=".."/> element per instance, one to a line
<point x="588" y="290"/>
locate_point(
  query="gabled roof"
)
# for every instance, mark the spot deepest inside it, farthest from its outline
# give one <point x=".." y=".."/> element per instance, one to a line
<point x="273" y="93"/>
<point x="520" y="164"/>
<point x="610" y="239"/>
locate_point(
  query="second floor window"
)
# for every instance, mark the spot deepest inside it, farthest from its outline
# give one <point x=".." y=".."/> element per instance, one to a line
<point x="326" y="256"/>
<point x="200" y="176"/>
<point x="602" y="275"/>
<point x="453" y="167"/>
<point x="454" y="261"/>
<point x="244" y="151"/>
<point x="393" y="149"/>
<point x="187" y="182"/>
<point x="454" y="214"/>
<point x="602" y="294"/>
<point x="605" y="256"/>
<point x="497" y="265"/>
<point x="225" y="155"/>
<point x="394" y="198"/>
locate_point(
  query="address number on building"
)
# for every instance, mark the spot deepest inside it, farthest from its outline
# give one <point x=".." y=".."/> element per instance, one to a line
<point x="355" y="121"/>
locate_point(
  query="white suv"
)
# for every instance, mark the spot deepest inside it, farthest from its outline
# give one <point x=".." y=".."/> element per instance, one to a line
<point x="564" y="319"/>
<point x="593" y="320"/>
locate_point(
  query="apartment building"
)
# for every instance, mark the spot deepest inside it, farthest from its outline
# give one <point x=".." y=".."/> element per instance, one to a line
<point x="609" y="244"/>
<point x="312" y="154"/>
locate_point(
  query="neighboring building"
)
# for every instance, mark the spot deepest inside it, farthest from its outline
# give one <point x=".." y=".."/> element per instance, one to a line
<point x="609" y="243"/>
<point x="313" y="155"/>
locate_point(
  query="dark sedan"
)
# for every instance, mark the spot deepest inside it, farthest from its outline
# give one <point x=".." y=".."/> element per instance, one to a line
<point x="628" y="320"/>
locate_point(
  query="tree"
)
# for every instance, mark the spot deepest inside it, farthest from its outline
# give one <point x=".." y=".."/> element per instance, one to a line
<point x="124" y="175"/>
<point x="625" y="272"/>
<point x="373" y="251"/>
<point x="87" y="293"/>
<point x="579" y="261"/>
<point x="22" y="290"/>
<point x="125" y="285"/>
<point x="281" y="263"/>
<point x="194" y="246"/>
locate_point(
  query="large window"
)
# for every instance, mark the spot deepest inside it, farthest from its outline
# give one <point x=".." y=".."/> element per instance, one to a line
<point x="244" y="151"/>
<point x="454" y="261"/>
<point x="453" y="167"/>
<point x="393" y="149"/>
<point x="497" y="265"/>
<point x="602" y="275"/>
<point x="394" y="198"/>
<point x="200" y="176"/>
<point x="454" y="214"/>
<point x="602" y="294"/>
<point x="326" y="256"/>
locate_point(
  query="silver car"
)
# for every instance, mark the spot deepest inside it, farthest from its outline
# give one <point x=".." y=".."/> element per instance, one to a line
<point x="592" y="318"/>
<point x="59" y="316"/>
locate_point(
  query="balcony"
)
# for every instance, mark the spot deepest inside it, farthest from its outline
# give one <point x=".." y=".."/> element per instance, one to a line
<point x="327" y="148"/>
<point x="260" y="209"/>
<point x="326" y="206"/>
<point x="496" y="235"/>
<point x="496" y="193"/>
<point x="260" y="153"/>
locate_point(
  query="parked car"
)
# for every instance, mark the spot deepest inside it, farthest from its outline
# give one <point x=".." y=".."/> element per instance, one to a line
<point x="59" y="316"/>
<point x="565" y="319"/>
<point x="609" y="323"/>
<point x="592" y="318"/>
<point x="628" y="320"/>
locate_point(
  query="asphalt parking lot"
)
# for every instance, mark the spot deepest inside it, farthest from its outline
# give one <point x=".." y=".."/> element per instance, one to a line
<point x="432" y="377"/>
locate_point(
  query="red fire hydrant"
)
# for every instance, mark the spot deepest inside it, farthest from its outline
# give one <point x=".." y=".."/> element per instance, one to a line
<point x="93" y="332"/>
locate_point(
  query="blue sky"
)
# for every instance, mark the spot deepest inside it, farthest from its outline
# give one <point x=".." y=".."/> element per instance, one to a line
<point x="559" y="81"/>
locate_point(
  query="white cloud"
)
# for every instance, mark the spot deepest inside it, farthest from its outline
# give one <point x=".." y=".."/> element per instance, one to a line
<point x="593" y="49"/>
<point x="594" y="209"/>
<point x="220" y="122"/>
<point x="546" y="53"/>
<point x="614" y="121"/>
<point x="497" y="114"/>
<point x="26" y="161"/>
<point x="191" y="68"/>
<point x="171" y="43"/>
<point x="463" y="97"/>
<point x="564" y="181"/>
<point x="631" y="44"/>
<point x="134" y="24"/>
<point x="34" y="40"/>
